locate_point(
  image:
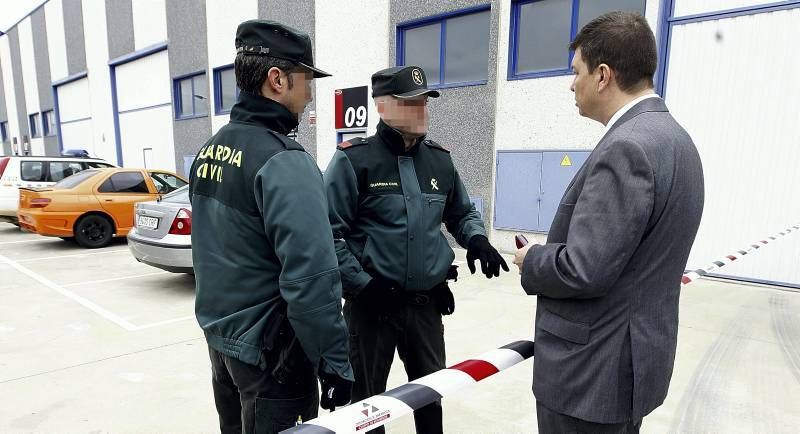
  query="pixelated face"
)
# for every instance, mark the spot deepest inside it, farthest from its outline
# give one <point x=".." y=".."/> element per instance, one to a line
<point x="300" y="94"/>
<point x="408" y="115"/>
<point x="584" y="85"/>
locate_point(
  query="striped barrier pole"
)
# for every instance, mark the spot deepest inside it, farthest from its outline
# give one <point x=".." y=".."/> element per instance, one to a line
<point x="381" y="409"/>
<point x="727" y="259"/>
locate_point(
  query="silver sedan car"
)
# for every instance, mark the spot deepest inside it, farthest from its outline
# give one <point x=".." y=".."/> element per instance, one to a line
<point x="162" y="233"/>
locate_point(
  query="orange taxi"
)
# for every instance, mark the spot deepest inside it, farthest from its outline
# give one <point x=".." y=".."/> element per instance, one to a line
<point x="94" y="205"/>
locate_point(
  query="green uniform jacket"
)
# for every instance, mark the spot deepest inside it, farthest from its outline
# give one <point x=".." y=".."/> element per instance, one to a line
<point x="386" y="207"/>
<point x="261" y="241"/>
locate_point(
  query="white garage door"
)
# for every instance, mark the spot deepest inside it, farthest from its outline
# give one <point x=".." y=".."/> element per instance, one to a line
<point x="145" y="112"/>
<point x="731" y="83"/>
<point x="75" y="115"/>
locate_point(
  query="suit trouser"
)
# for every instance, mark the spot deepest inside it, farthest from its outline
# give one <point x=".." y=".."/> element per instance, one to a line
<point x="551" y="422"/>
<point x="251" y="400"/>
<point x="416" y="331"/>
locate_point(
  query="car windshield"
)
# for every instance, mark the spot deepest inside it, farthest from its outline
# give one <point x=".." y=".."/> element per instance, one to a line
<point x="74" y="180"/>
<point x="180" y="195"/>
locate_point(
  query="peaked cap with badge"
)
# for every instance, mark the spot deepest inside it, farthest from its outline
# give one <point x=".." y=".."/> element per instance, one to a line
<point x="273" y="39"/>
<point x="401" y="82"/>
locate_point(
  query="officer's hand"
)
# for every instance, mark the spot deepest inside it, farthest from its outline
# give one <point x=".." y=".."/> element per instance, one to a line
<point x="491" y="261"/>
<point x="443" y="296"/>
<point x="336" y="391"/>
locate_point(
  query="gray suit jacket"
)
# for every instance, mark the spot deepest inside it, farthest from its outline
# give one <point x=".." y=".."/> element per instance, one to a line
<point x="608" y="279"/>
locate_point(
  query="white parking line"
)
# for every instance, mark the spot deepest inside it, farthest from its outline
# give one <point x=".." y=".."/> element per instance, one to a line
<point x="26" y="241"/>
<point x="91" y="282"/>
<point x="122" y="322"/>
<point x="160" y="323"/>
<point x="77" y="255"/>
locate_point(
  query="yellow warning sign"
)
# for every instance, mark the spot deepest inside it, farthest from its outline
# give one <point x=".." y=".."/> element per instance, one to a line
<point x="566" y="161"/>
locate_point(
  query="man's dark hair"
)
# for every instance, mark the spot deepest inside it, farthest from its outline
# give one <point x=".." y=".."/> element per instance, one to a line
<point x="624" y="42"/>
<point x="251" y="71"/>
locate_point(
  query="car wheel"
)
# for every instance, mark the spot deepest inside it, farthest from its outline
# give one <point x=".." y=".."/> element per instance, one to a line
<point x="93" y="231"/>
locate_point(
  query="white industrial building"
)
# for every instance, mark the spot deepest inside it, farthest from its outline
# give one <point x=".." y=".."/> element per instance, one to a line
<point x="146" y="82"/>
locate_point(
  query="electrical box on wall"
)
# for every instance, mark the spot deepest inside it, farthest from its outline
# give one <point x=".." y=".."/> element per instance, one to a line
<point x="530" y="185"/>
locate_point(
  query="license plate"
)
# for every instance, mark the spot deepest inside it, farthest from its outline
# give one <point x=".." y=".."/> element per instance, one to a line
<point x="147" y="222"/>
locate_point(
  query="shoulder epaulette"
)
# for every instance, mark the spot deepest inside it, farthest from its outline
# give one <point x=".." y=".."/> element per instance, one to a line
<point x="357" y="141"/>
<point x="434" y="145"/>
<point x="287" y="142"/>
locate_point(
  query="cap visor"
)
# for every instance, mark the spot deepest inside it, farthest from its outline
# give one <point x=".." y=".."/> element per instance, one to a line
<point x="416" y="93"/>
<point x="318" y="73"/>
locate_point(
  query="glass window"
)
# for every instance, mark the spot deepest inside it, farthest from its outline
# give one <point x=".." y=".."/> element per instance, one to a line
<point x="4" y="131"/>
<point x="227" y="92"/>
<point x="464" y="57"/>
<point x="125" y="182"/>
<point x="191" y="97"/>
<point x="185" y="92"/>
<point x="97" y="165"/>
<point x="200" y="95"/>
<point x="544" y="35"/>
<point x="180" y="195"/>
<point x="543" y="29"/>
<point x="467" y="48"/>
<point x="32" y="171"/>
<point x="34" y="125"/>
<point x="49" y="123"/>
<point x="591" y="9"/>
<point x="166" y="182"/>
<point x="422" y="47"/>
<point x="62" y="169"/>
<point x="78" y="178"/>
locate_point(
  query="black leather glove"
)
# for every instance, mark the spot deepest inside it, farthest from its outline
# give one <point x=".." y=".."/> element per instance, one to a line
<point x="452" y="273"/>
<point x="491" y="261"/>
<point x="443" y="297"/>
<point x="380" y="292"/>
<point x="336" y="391"/>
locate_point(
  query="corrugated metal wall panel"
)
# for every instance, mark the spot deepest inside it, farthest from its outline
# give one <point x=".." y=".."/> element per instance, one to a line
<point x="731" y="84"/>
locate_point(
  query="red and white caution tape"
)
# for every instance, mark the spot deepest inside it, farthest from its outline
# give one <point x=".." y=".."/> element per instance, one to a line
<point x="727" y="259"/>
<point x="400" y="401"/>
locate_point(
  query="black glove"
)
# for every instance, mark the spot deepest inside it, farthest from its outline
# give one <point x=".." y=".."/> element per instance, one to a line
<point x="452" y="273"/>
<point x="336" y="391"/>
<point x="491" y="261"/>
<point x="380" y="292"/>
<point x="443" y="297"/>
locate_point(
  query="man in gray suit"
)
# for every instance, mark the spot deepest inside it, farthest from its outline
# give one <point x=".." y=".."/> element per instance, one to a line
<point x="608" y="279"/>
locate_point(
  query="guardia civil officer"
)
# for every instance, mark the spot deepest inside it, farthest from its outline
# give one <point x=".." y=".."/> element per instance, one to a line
<point x="268" y="287"/>
<point x="388" y="196"/>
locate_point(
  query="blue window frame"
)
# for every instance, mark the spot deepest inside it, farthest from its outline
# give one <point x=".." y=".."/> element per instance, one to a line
<point x="49" y="123"/>
<point x="33" y="122"/>
<point x="4" y="131"/>
<point x="226" y="93"/>
<point x="541" y="31"/>
<point x="452" y="48"/>
<point x="190" y="96"/>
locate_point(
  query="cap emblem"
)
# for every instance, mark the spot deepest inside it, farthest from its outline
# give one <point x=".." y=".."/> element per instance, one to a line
<point x="416" y="75"/>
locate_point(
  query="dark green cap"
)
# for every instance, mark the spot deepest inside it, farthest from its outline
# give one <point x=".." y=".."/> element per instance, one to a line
<point x="401" y="82"/>
<point x="269" y="38"/>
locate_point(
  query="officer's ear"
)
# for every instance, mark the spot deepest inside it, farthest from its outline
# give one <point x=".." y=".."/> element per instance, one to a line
<point x="275" y="82"/>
